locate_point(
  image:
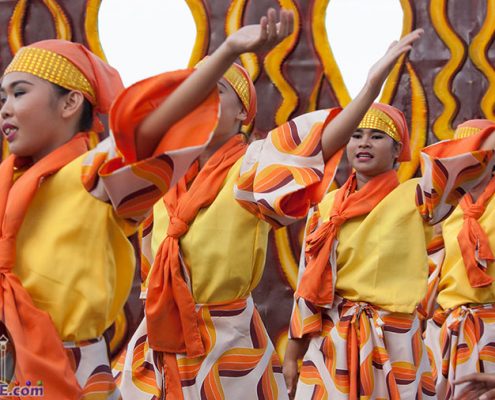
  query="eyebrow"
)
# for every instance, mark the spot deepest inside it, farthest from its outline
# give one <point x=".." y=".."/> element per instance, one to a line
<point x="15" y="83"/>
<point x="223" y="84"/>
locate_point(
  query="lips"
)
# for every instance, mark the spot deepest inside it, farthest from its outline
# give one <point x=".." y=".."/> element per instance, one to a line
<point x="9" y="131"/>
<point x="364" y="155"/>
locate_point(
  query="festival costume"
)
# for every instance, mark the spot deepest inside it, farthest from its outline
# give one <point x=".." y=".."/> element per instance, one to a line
<point x="65" y="261"/>
<point x="209" y="240"/>
<point x="359" y="285"/>
<point x="460" y="333"/>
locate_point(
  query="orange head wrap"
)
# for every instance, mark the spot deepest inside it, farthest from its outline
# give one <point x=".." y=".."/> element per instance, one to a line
<point x="72" y="66"/>
<point x="241" y="82"/>
<point x="391" y="121"/>
<point x="471" y="127"/>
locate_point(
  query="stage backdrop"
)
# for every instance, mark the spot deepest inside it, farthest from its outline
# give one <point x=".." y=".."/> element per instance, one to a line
<point x="448" y="77"/>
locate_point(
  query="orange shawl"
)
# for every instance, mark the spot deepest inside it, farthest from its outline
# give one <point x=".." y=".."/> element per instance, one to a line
<point x="39" y="351"/>
<point x="318" y="281"/>
<point x="170" y="306"/>
<point x="473" y="240"/>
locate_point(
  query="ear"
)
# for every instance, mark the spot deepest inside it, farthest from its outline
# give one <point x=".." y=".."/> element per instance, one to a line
<point x="241" y="115"/>
<point x="397" y="149"/>
<point x="72" y="103"/>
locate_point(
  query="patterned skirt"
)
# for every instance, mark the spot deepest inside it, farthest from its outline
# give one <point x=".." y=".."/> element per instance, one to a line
<point x="462" y="342"/>
<point x="90" y="362"/>
<point x="366" y="352"/>
<point x="240" y="361"/>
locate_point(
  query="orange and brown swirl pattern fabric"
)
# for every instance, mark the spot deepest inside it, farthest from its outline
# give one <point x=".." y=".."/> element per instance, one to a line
<point x="237" y="346"/>
<point x="461" y="343"/>
<point x="360" y="353"/>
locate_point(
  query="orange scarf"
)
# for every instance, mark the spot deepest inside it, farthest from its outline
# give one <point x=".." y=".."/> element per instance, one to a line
<point x="318" y="281"/>
<point x="170" y="306"/>
<point x="473" y="241"/>
<point x="40" y="354"/>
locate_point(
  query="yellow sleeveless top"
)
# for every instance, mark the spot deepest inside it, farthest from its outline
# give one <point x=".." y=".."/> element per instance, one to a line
<point x="73" y="256"/>
<point x="381" y="256"/>
<point x="224" y="249"/>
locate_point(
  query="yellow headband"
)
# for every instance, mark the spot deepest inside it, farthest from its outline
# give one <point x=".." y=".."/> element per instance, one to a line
<point x="52" y="67"/>
<point x="240" y="85"/>
<point x="377" y="119"/>
<point x="465" y="131"/>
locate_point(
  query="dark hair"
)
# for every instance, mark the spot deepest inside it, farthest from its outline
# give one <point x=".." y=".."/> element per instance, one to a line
<point x="86" y="120"/>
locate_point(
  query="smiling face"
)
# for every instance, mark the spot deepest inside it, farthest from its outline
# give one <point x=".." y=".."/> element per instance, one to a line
<point x="32" y="115"/>
<point x="371" y="153"/>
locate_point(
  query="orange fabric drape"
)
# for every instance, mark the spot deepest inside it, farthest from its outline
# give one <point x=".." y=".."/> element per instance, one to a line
<point x="170" y="307"/>
<point x="473" y="240"/>
<point x="316" y="283"/>
<point x="40" y="354"/>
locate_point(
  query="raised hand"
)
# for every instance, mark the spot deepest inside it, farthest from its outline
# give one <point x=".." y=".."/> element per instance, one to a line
<point x="263" y="36"/>
<point x="480" y="386"/>
<point x="381" y="69"/>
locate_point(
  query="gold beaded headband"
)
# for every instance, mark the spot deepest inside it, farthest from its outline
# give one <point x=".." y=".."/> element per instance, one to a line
<point x="377" y="119"/>
<point x="52" y="67"/>
<point x="465" y="131"/>
<point x="240" y="85"/>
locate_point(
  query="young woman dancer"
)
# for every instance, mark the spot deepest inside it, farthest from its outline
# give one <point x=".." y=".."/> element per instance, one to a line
<point x="458" y="176"/>
<point x="65" y="260"/>
<point x="202" y="336"/>
<point x="363" y="271"/>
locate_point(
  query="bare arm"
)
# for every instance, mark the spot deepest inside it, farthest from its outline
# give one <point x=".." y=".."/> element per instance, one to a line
<point x="199" y="85"/>
<point x="338" y="132"/>
<point x="296" y="348"/>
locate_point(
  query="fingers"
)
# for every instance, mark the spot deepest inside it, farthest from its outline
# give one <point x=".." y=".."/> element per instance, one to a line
<point x="275" y="32"/>
<point x="471" y="392"/>
<point x="272" y="26"/>
<point x="477" y="377"/>
<point x="285" y="26"/>
<point x="263" y="28"/>
<point x="488" y="395"/>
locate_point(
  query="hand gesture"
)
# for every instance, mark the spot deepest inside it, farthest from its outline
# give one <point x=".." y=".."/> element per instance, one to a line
<point x="291" y="375"/>
<point x="264" y="36"/>
<point x="480" y="386"/>
<point x="381" y="69"/>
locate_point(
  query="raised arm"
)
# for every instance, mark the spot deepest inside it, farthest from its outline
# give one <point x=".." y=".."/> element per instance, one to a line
<point x="198" y="86"/>
<point x="339" y="131"/>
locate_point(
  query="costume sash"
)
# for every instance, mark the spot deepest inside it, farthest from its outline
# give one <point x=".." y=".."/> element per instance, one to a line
<point x="317" y="282"/>
<point x="170" y="306"/>
<point x="40" y="354"/>
<point x="473" y="240"/>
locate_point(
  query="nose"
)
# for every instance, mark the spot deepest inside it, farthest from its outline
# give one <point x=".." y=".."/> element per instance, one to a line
<point x="5" y="109"/>
<point x="364" y="142"/>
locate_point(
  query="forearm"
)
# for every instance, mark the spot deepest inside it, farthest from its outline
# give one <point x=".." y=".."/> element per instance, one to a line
<point x="183" y="100"/>
<point x="296" y="348"/>
<point x="337" y="133"/>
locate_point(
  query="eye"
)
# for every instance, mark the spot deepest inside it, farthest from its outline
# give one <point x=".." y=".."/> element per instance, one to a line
<point x="356" y="135"/>
<point x="377" y="136"/>
<point x="19" y="93"/>
<point x="3" y="99"/>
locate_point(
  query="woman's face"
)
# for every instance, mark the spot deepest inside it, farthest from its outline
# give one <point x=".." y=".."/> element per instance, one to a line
<point x="231" y="112"/>
<point x="371" y="152"/>
<point x="30" y="110"/>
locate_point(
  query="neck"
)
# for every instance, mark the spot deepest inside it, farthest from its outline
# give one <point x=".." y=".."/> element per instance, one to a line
<point x="361" y="180"/>
<point x="211" y="149"/>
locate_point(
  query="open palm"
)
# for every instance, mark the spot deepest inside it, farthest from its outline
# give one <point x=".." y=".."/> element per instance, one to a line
<point x="262" y="36"/>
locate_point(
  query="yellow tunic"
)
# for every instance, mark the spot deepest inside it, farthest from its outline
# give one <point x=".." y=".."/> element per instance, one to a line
<point x="454" y="287"/>
<point x="381" y="256"/>
<point x="83" y="285"/>
<point x="224" y="249"/>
